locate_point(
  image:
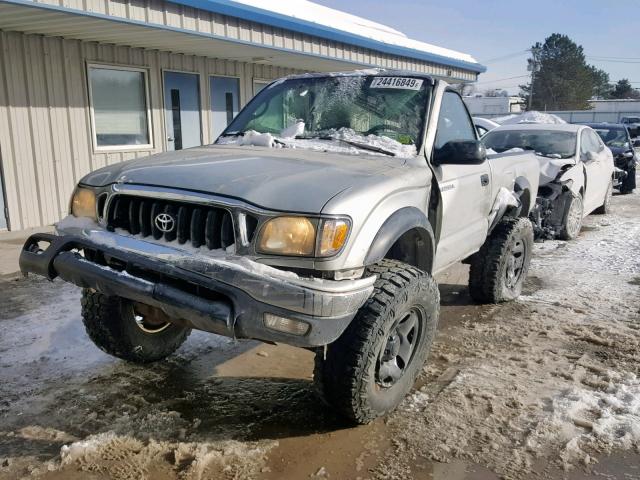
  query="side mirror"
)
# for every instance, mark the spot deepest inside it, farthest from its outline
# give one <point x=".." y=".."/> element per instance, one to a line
<point x="460" y="152"/>
<point x="636" y="144"/>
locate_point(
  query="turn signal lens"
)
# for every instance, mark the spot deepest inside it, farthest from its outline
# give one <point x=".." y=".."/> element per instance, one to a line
<point x="334" y="235"/>
<point x="288" y="236"/>
<point x="286" y="325"/>
<point x="83" y="203"/>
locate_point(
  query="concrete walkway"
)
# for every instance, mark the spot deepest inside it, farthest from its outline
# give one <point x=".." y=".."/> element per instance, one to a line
<point x="10" y="246"/>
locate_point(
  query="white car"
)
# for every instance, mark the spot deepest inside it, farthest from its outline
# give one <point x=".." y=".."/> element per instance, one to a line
<point x="576" y="173"/>
<point x="484" y="125"/>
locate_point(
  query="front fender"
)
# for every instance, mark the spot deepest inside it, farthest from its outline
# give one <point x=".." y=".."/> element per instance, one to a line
<point x="410" y="229"/>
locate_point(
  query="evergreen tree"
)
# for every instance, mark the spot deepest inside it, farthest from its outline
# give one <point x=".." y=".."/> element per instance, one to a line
<point x="623" y="89"/>
<point x="562" y="79"/>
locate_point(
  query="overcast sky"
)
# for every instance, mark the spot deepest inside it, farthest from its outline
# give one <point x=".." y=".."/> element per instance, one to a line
<point x="498" y="28"/>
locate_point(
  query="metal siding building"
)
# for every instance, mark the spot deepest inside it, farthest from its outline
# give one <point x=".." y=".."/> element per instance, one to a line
<point x="51" y="50"/>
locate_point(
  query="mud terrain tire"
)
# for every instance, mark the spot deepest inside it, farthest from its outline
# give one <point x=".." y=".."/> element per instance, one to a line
<point x="574" y="213"/>
<point x="368" y="371"/>
<point x="111" y="324"/>
<point x="606" y="204"/>
<point x="499" y="269"/>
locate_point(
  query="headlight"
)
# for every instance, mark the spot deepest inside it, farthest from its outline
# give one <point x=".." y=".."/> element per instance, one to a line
<point x="288" y="236"/>
<point x="297" y="236"/>
<point x="83" y="203"/>
<point x="333" y="237"/>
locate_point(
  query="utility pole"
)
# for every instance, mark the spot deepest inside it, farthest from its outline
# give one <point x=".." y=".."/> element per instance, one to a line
<point x="533" y="68"/>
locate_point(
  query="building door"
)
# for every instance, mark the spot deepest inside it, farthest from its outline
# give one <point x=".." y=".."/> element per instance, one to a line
<point x="225" y="103"/>
<point x="182" y="110"/>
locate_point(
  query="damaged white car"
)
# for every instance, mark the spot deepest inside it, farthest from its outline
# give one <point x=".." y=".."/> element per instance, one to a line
<point x="576" y="173"/>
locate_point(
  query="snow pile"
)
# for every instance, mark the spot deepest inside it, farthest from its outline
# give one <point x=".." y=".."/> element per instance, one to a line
<point x="491" y="151"/>
<point x="293" y="130"/>
<point x="583" y="419"/>
<point x="329" y="17"/>
<point x="122" y="457"/>
<point x="530" y="117"/>
<point x="336" y="144"/>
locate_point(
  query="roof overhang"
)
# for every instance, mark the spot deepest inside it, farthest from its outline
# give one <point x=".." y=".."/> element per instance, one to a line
<point x="52" y="20"/>
<point x="258" y="15"/>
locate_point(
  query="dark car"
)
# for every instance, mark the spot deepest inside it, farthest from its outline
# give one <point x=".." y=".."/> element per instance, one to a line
<point x="616" y="136"/>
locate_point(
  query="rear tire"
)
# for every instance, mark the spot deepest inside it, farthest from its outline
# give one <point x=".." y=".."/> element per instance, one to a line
<point x="498" y="270"/>
<point x="115" y="328"/>
<point x="368" y="371"/>
<point x="606" y="204"/>
<point x="572" y="221"/>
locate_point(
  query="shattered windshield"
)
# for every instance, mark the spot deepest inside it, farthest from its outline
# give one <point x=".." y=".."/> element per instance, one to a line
<point x="547" y="143"/>
<point x="383" y="114"/>
<point x="613" y="137"/>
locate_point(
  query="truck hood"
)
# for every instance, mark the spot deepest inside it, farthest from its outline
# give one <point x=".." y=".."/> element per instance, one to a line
<point x="277" y="179"/>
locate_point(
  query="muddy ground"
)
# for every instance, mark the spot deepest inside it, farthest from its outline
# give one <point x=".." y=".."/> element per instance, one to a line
<point x="543" y="387"/>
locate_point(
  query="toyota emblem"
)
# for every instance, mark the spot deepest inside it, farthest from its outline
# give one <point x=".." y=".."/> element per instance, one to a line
<point x="165" y="222"/>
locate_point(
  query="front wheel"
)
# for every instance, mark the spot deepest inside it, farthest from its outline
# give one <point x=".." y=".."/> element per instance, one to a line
<point x="368" y="371"/>
<point x="572" y="223"/>
<point x="136" y="334"/>
<point x="606" y="204"/>
<point x="498" y="270"/>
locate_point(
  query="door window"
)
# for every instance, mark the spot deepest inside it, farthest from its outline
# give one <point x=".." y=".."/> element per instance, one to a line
<point x="588" y="143"/>
<point x="454" y="122"/>
<point x="225" y="103"/>
<point x="182" y="110"/>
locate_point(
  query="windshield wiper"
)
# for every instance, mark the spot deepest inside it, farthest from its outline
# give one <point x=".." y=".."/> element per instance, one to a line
<point x="362" y="146"/>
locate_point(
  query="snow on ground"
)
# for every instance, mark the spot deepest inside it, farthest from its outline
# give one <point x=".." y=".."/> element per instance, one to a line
<point x="529" y="117"/>
<point x="551" y="379"/>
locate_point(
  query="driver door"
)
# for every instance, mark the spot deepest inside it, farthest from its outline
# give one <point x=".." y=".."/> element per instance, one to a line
<point x="465" y="189"/>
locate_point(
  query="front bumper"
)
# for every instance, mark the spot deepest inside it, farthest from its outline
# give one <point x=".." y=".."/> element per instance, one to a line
<point x="228" y="295"/>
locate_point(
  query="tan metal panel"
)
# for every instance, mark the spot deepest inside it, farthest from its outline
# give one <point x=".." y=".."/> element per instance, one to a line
<point x="138" y="10"/>
<point x="59" y="121"/>
<point x="40" y="130"/>
<point x="18" y="106"/>
<point x="7" y="151"/>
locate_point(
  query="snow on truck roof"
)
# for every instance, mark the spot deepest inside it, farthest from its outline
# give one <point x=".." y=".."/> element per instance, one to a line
<point x="359" y="73"/>
<point x="324" y="22"/>
<point x="548" y="127"/>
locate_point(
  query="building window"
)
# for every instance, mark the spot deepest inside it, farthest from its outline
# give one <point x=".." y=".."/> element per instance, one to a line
<point x="119" y="107"/>
<point x="259" y="85"/>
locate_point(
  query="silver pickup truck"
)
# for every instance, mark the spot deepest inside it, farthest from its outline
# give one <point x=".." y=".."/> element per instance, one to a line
<point x="317" y="219"/>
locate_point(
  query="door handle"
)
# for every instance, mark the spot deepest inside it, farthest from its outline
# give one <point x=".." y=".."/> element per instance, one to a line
<point x="484" y="180"/>
<point x="170" y="139"/>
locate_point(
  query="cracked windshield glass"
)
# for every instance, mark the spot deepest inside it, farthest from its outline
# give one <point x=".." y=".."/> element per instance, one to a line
<point x="380" y="114"/>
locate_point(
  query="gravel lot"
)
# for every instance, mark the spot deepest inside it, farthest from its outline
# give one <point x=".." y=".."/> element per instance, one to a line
<point x="543" y="387"/>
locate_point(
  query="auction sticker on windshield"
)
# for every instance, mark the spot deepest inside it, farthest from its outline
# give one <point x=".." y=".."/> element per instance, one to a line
<point x="405" y="83"/>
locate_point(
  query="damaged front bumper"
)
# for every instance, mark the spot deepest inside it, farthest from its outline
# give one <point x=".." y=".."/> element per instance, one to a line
<point x="548" y="214"/>
<point x="228" y="295"/>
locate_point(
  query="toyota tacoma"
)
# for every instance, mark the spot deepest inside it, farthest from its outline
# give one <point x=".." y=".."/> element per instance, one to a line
<point x="318" y="219"/>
